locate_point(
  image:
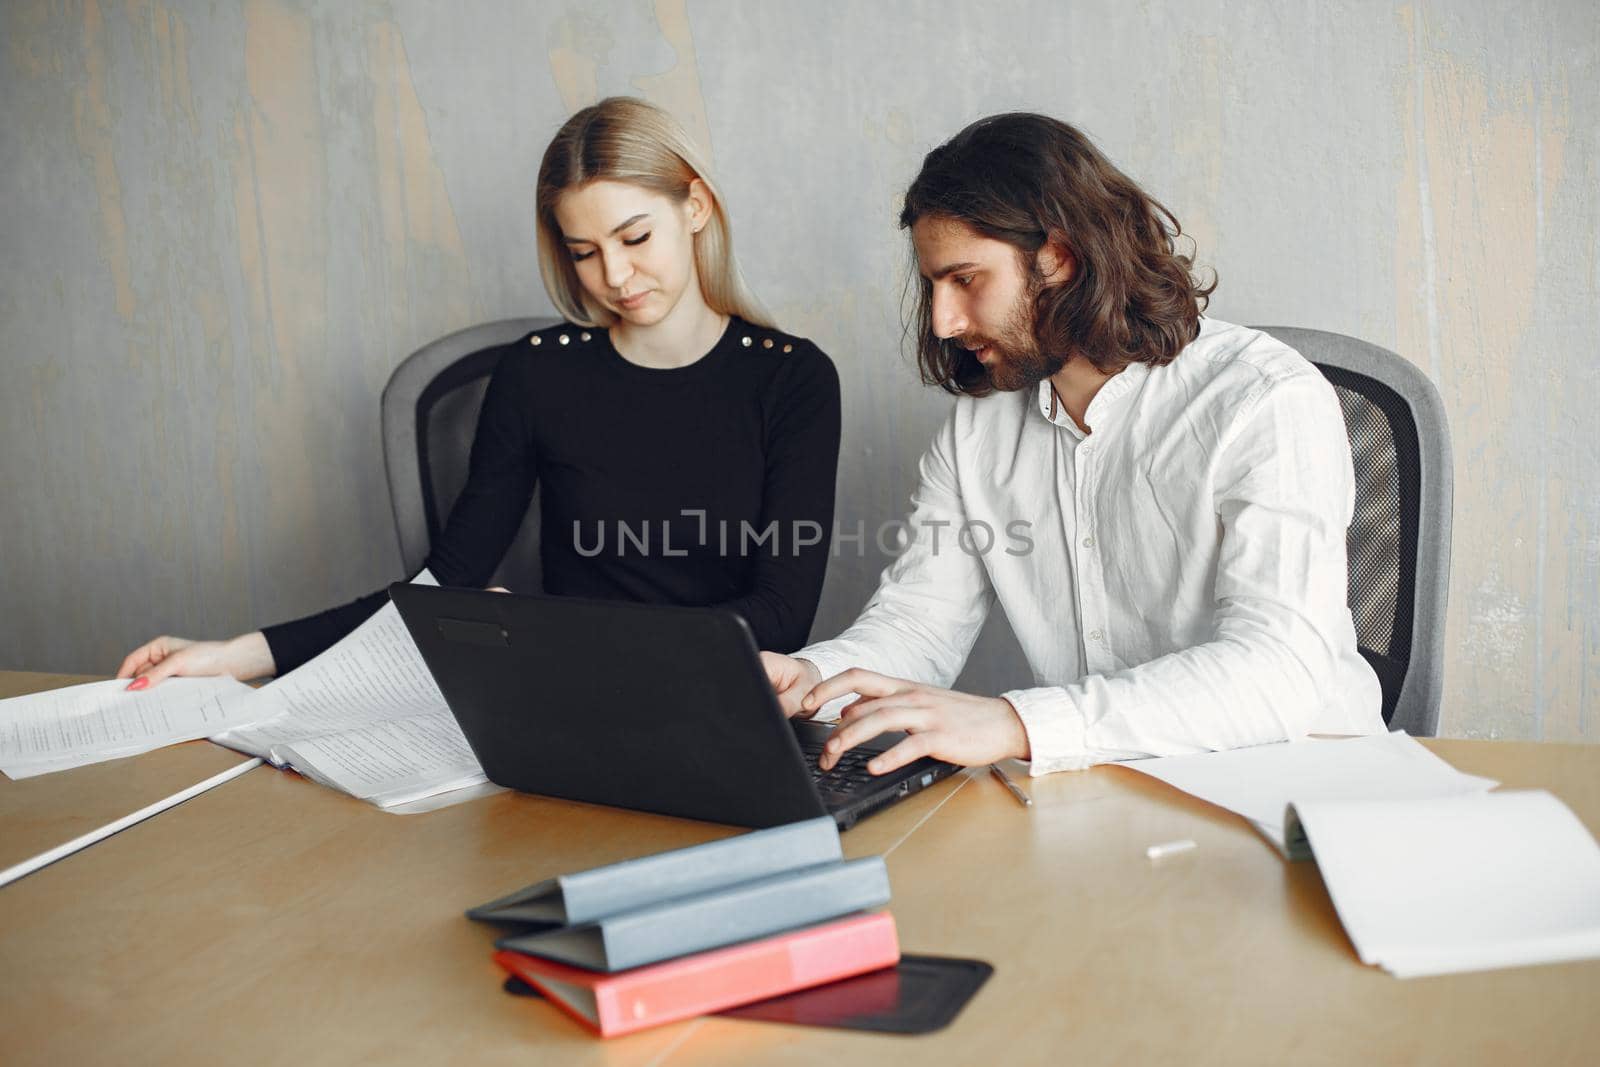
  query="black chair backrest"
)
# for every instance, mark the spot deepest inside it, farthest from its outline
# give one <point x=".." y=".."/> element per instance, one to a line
<point x="430" y="413"/>
<point x="1399" y="538"/>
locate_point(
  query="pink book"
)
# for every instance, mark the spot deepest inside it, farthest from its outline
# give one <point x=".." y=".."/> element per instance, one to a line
<point x="683" y="988"/>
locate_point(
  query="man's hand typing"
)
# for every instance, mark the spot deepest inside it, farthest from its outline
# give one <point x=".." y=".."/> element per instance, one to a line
<point x="944" y="724"/>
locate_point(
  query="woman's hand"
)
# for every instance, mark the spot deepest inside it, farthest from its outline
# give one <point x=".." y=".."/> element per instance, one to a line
<point x="244" y="657"/>
<point x="791" y="679"/>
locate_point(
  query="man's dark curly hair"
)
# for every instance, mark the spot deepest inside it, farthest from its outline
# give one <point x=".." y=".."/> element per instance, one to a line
<point x="1025" y="179"/>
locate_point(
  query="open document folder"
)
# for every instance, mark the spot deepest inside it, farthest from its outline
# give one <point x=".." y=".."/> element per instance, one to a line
<point x="365" y="718"/>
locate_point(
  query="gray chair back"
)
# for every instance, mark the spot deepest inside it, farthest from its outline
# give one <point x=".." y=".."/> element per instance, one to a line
<point x="1399" y="538"/>
<point x="430" y="412"/>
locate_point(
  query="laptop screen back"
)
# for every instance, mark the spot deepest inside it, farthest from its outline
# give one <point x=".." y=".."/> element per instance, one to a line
<point x="649" y="707"/>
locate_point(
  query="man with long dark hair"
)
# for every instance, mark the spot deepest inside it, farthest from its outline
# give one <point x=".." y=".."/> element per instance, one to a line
<point x="1156" y="498"/>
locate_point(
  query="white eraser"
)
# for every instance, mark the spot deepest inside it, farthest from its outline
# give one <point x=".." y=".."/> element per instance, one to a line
<point x="1169" y="848"/>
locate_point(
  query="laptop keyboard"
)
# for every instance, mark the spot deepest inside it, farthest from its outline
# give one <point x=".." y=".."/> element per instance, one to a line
<point x="848" y="776"/>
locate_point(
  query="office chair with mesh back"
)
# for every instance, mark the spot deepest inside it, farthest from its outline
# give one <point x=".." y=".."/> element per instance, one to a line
<point x="430" y="411"/>
<point x="1399" y="539"/>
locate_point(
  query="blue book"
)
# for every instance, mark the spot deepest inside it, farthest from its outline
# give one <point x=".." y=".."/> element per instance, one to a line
<point x="681" y="925"/>
<point x="631" y="884"/>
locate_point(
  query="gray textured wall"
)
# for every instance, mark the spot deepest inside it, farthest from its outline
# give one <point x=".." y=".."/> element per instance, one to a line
<point x="224" y="223"/>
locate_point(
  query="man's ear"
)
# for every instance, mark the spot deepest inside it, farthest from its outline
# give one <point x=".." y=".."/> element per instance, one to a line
<point x="1056" y="261"/>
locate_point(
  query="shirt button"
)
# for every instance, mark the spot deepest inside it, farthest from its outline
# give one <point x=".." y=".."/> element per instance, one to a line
<point x="1088" y="542"/>
<point x="1096" y="635"/>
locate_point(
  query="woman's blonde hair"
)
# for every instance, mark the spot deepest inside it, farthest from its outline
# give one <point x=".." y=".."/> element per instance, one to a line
<point x="624" y="139"/>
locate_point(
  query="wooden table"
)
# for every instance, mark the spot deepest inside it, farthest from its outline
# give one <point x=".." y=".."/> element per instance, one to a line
<point x="271" y="920"/>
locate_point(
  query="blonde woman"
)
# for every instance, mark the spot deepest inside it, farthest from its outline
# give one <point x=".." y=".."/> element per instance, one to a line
<point x="684" y="448"/>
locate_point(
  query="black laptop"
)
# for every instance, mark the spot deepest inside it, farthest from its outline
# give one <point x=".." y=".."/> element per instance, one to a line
<point x="642" y="706"/>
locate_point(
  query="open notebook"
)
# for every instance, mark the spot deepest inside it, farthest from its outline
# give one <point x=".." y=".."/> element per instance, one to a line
<point x="1260" y="783"/>
<point x="1430" y="872"/>
<point x="1460" y="883"/>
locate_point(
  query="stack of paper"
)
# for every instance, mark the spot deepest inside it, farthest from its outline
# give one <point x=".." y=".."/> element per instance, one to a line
<point x="83" y="724"/>
<point x="697" y="930"/>
<point x="1462" y="883"/>
<point x="366" y="718"/>
<point x="1260" y="783"/>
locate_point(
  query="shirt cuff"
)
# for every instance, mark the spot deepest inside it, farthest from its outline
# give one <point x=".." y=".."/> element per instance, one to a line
<point x="1055" y="729"/>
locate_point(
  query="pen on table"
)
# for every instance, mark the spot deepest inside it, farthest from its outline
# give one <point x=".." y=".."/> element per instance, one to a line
<point x="1005" y="779"/>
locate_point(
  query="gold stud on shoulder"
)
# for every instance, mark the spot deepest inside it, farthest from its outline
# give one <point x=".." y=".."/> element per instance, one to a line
<point x="767" y="343"/>
<point x="584" y="336"/>
<point x="536" y="340"/>
<point x="745" y="341"/>
<point x="788" y="348"/>
<point x="564" y="339"/>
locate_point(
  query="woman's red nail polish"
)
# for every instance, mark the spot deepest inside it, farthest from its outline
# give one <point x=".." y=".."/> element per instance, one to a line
<point x="137" y="684"/>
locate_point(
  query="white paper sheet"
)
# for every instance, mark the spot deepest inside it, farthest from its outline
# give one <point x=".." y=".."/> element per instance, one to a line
<point x="374" y="674"/>
<point x="365" y="718"/>
<point x="391" y="762"/>
<point x="435" y="801"/>
<point x="83" y="724"/>
<point x="1260" y="783"/>
<point x="1461" y="883"/>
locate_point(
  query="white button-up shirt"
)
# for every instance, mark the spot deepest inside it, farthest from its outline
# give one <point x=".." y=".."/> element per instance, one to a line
<point x="1176" y="577"/>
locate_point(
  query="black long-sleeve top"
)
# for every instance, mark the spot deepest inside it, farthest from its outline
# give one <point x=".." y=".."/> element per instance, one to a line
<point x="710" y="484"/>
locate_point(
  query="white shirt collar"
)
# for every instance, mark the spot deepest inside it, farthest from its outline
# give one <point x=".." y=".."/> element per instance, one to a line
<point x="1105" y="406"/>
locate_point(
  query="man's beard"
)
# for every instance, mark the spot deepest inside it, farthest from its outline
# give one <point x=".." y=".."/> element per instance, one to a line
<point x="1018" y="363"/>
